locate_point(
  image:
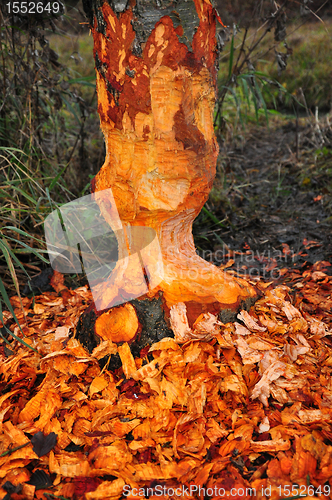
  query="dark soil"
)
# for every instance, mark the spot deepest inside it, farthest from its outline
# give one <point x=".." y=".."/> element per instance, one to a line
<point x="273" y="194"/>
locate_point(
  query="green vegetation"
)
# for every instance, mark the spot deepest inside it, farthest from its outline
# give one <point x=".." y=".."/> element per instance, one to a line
<point x="308" y="71"/>
<point x="75" y="52"/>
<point x="261" y="85"/>
<point x="50" y="140"/>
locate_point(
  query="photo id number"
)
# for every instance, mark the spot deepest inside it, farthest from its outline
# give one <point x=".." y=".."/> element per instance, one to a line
<point x="296" y="491"/>
<point x="33" y="7"/>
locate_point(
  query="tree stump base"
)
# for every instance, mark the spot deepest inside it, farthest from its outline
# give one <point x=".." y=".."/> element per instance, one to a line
<point x="153" y="324"/>
<point x="229" y="315"/>
<point x="152" y="328"/>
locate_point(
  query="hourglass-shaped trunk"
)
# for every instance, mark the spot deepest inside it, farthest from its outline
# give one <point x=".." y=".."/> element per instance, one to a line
<point x="156" y="65"/>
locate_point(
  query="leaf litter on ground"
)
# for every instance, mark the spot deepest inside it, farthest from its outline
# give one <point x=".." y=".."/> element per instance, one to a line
<point x="238" y="405"/>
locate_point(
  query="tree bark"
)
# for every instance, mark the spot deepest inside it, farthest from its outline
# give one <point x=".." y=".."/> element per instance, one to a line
<point x="156" y="65"/>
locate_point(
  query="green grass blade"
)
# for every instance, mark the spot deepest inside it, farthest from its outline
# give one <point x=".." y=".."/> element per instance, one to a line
<point x="25" y="194"/>
<point x="5" y="148"/>
<point x="246" y="91"/>
<point x="51" y="202"/>
<point x="22" y="169"/>
<point x="260" y="95"/>
<point x="4" y="194"/>
<point x="231" y="59"/>
<point x="8" y="254"/>
<point x="6" y="300"/>
<point x="57" y="177"/>
<point x="70" y="108"/>
<point x="213" y="217"/>
<point x="23" y="233"/>
<point x="253" y="97"/>
<point x="7" y="330"/>
<point x="5" y="249"/>
<point x="29" y="250"/>
<point x="216" y="235"/>
<point x="82" y="79"/>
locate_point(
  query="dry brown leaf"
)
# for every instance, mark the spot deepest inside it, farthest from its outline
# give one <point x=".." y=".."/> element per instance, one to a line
<point x="186" y="416"/>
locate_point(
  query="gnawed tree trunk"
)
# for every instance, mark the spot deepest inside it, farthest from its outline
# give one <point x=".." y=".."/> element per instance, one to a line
<point x="156" y="65"/>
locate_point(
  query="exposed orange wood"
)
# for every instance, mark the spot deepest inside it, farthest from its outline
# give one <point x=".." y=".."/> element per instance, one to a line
<point x="118" y="325"/>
